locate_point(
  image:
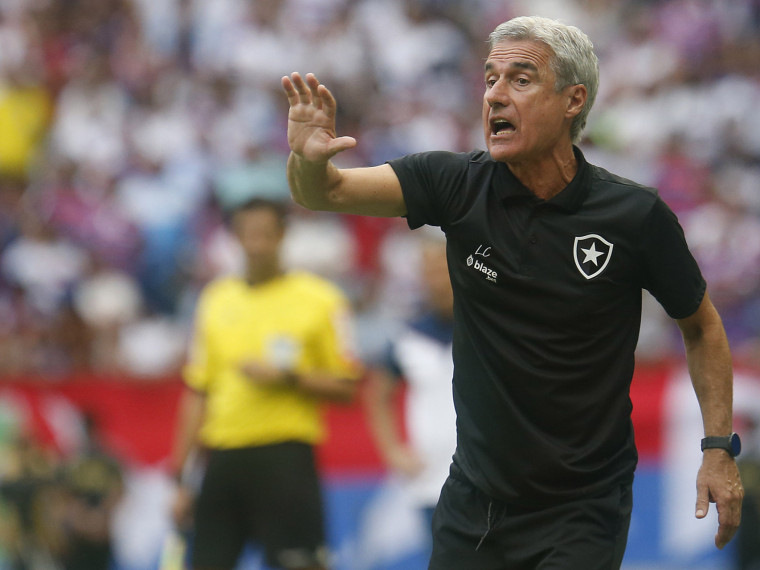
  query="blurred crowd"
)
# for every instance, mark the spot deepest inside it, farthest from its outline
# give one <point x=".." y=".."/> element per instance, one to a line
<point x="129" y="127"/>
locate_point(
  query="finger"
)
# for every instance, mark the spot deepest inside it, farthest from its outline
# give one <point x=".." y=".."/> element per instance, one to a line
<point x="724" y="536"/>
<point x="729" y="517"/>
<point x="290" y="91"/>
<point x="313" y="84"/>
<point x="328" y="101"/>
<point x="304" y="93"/>
<point x="340" y="144"/>
<point x="703" y="502"/>
<point x="726" y="532"/>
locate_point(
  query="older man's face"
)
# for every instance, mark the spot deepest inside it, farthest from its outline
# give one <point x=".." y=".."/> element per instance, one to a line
<point x="524" y="118"/>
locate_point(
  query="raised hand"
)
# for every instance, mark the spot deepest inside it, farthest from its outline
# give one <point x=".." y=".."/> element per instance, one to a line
<point x="311" y="119"/>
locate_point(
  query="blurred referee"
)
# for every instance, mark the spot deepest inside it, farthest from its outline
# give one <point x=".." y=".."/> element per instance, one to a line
<point x="548" y="256"/>
<point x="268" y="348"/>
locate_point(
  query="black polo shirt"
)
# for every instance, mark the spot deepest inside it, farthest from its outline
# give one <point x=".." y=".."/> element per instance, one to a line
<point x="547" y="305"/>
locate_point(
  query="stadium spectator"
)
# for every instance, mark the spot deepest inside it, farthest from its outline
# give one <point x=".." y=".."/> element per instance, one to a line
<point x="543" y="351"/>
<point x="42" y="263"/>
<point x="420" y="356"/>
<point x="25" y="107"/>
<point x="32" y="504"/>
<point x="107" y="300"/>
<point x="93" y="485"/>
<point x="269" y="345"/>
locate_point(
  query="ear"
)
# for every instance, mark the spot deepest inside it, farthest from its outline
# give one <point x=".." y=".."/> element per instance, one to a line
<point x="576" y="99"/>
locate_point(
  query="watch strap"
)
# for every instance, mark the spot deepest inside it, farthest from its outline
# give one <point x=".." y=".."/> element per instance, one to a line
<point x="729" y="443"/>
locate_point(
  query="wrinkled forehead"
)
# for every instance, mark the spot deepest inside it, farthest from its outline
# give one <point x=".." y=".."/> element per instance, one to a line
<point x="528" y="55"/>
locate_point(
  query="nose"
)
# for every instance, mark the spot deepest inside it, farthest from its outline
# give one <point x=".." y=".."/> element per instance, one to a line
<point x="496" y="95"/>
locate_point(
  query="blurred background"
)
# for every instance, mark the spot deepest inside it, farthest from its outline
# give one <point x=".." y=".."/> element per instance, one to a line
<point x="129" y="127"/>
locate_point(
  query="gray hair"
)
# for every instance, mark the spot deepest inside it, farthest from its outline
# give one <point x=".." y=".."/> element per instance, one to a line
<point x="574" y="61"/>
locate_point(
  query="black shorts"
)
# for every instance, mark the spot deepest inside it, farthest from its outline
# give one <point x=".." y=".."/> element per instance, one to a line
<point x="270" y="495"/>
<point x="471" y="530"/>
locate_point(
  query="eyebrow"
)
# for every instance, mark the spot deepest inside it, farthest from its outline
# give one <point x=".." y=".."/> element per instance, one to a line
<point x="518" y="64"/>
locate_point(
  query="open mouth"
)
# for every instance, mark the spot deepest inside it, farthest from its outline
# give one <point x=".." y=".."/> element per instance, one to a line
<point x="501" y="127"/>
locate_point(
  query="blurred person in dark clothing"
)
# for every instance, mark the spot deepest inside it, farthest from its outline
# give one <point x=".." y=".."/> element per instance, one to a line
<point x="31" y="506"/>
<point x="748" y="538"/>
<point x="419" y="357"/>
<point x="93" y="485"/>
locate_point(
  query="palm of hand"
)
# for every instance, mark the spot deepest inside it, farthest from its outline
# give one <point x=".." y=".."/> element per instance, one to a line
<point x="311" y="119"/>
<point x="310" y="132"/>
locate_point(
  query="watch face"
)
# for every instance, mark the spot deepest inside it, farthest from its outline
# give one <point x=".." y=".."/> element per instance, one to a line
<point x="736" y="444"/>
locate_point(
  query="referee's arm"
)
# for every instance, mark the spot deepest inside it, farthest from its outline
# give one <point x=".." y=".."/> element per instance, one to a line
<point x="321" y="384"/>
<point x="709" y="361"/>
<point x="190" y="414"/>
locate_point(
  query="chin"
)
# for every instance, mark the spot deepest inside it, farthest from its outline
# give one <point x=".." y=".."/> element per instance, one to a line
<point x="501" y="154"/>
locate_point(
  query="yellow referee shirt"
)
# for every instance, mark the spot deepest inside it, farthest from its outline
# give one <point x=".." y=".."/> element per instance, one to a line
<point x="296" y="321"/>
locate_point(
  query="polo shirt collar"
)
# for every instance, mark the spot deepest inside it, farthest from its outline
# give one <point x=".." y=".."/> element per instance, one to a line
<point x="570" y="199"/>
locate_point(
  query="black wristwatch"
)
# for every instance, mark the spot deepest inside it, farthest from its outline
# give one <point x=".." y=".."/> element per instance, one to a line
<point x="731" y="443"/>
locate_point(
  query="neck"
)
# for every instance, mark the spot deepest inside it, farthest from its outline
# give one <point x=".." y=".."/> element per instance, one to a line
<point x="547" y="177"/>
<point x="259" y="275"/>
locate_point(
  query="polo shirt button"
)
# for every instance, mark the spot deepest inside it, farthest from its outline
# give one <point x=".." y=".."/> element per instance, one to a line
<point x="532" y="239"/>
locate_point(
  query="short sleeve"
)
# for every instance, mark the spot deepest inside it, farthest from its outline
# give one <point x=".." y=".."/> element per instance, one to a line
<point x="432" y="184"/>
<point x="337" y="343"/>
<point x="670" y="271"/>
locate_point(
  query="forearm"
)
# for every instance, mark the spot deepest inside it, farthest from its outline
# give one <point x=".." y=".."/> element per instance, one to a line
<point x="324" y="385"/>
<point x="189" y="420"/>
<point x="370" y="191"/>
<point x="709" y="361"/>
<point x="381" y="415"/>
<point x="320" y="384"/>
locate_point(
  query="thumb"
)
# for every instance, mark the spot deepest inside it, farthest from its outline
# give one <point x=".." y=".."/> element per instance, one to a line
<point x="703" y="502"/>
<point x="340" y="144"/>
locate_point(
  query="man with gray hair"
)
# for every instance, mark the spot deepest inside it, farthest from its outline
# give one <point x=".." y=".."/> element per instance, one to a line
<point x="548" y="256"/>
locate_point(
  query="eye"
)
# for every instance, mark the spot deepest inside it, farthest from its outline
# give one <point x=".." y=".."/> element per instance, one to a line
<point x="522" y="81"/>
<point x="490" y="81"/>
